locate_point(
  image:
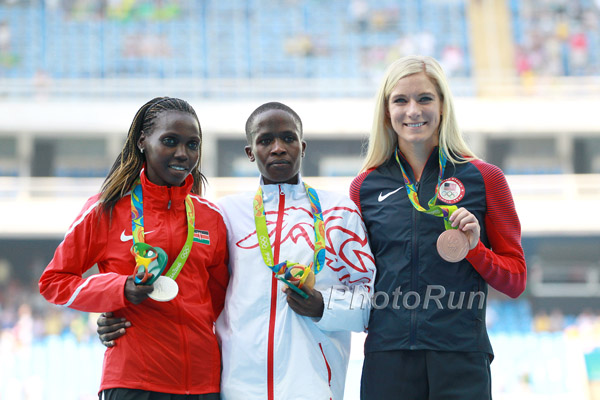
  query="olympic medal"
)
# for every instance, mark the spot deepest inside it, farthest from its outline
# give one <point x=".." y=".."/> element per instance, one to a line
<point x="300" y="275"/>
<point x="157" y="266"/>
<point x="453" y="245"/>
<point x="165" y="289"/>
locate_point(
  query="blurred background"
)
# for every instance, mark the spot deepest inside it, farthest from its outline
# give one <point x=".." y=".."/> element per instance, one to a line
<point x="526" y="80"/>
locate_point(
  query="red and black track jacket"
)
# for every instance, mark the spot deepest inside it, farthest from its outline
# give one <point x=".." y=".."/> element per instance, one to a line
<point x="421" y="301"/>
<point x="171" y="346"/>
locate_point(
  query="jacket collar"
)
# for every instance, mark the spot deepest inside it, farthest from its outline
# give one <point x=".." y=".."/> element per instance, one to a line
<point x="158" y="197"/>
<point x="432" y="163"/>
<point x="293" y="191"/>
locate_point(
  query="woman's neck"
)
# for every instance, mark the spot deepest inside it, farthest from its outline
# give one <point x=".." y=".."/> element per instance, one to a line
<point x="417" y="156"/>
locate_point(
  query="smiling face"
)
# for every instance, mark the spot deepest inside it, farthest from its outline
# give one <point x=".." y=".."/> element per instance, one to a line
<point x="172" y="147"/>
<point x="415" y="109"/>
<point x="277" y="147"/>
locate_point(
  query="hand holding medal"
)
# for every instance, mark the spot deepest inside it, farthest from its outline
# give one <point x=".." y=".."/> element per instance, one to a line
<point x="454" y="244"/>
<point x="295" y="276"/>
<point x="300" y="279"/>
<point x="462" y="228"/>
<point x="150" y="264"/>
<point x="152" y="261"/>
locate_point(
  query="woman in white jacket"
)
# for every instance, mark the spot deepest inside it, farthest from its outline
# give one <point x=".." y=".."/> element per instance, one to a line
<point x="277" y="345"/>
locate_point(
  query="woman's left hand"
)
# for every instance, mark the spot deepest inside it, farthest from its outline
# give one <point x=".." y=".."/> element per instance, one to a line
<point x="111" y="328"/>
<point x="468" y="223"/>
<point x="311" y="307"/>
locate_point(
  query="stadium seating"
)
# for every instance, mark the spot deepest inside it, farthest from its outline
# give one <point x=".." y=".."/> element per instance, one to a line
<point x="226" y="39"/>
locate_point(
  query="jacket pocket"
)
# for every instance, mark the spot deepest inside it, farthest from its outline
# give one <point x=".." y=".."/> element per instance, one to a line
<point x="328" y="367"/>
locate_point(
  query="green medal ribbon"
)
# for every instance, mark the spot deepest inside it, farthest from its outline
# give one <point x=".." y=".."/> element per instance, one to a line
<point x="137" y="229"/>
<point x="264" y="242"/>
<point x="436" y="210"/>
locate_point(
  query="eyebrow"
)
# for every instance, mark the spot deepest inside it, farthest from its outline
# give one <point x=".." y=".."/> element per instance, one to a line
<point x="284" y="133"/>
<point x="178" y="135"/>
<point x="420" y="94"/>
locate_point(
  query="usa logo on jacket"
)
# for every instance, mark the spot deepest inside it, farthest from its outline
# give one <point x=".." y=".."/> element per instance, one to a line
<point x="451" y="191"/>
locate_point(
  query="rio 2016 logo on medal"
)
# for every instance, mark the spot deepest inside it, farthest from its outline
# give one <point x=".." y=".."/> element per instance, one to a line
<point x="451" y="191"/>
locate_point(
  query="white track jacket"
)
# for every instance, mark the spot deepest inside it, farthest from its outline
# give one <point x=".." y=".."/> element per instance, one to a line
<point x="269" y="352"/>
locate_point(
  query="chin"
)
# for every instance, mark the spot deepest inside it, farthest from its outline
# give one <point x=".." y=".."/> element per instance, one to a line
<point x="176" y="182"/>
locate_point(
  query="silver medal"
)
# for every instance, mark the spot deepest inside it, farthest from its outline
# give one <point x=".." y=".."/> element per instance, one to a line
<point x="165" y="289"/>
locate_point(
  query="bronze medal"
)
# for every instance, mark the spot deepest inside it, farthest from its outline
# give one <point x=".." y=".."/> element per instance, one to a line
<point x="453" y="245"/>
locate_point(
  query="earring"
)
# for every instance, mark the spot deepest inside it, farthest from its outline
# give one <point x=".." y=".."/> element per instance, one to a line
<point x="141" y="150"/>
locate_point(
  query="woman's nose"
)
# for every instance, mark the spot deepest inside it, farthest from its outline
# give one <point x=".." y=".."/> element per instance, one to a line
<point x="413" y="109"/>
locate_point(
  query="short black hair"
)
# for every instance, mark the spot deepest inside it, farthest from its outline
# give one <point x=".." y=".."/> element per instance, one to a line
<point x="273" y="105"/>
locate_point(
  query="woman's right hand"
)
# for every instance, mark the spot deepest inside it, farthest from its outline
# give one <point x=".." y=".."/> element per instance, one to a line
<point x="110" y="328"/>
<point x="137" y="293"/>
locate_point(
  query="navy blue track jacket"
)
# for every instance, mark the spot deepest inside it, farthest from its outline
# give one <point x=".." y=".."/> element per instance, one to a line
<point x="421" y="301"/>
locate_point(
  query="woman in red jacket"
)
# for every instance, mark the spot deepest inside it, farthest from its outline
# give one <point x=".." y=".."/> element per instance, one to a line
<point x="161" y="253"/>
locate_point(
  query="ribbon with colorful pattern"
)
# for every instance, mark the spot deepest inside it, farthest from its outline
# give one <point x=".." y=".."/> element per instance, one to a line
<point x="137" y="227"/>
<point x="264" y="241"/>
<point x="436" y="210"/>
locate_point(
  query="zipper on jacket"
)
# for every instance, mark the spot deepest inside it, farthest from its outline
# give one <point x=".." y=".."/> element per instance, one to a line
<point x="181" y="322"/>
<point x="271" y="340"/>
<point x="186" y="352"/>
<point x="414" y="279"/>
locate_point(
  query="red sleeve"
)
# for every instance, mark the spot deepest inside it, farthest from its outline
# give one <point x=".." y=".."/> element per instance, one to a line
<point x="218" y="271"/>
<point x="355" y="187"/>
<point x="502" y="266"/>
<point x="83" y="246"/>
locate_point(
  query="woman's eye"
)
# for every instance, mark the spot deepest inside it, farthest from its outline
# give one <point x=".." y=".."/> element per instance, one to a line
<point x="289" y="139"/>
<point x="264" y="142"/>
<point x="400" y="101"/>
<point x="169" y="141"/>
<point x="426" y="99"/>
<point x="194" y="145"/>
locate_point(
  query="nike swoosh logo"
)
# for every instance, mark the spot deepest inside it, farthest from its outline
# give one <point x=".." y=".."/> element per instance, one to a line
<point x="382" y="196"/>
<point x="125" y="238"/>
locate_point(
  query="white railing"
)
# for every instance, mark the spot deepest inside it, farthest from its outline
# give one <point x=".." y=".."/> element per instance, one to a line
<point x="546" y="204"/>
<point x="191" y="88"/>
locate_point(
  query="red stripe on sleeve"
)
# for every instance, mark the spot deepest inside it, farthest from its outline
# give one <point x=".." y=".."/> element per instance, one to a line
<point x="503" y="267"/>
<point x="355" y="187"/>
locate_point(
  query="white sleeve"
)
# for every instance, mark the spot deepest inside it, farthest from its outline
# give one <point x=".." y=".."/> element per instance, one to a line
<point x="347" y="302"/>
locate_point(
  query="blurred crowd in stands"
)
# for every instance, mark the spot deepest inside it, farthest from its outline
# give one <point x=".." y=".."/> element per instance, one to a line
<point x="557" y="37"/>
<point x="211" y="39"/>
<point x="26" y="317"/>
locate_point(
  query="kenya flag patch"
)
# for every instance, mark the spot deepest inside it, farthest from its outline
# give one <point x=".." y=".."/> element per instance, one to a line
<point x="201" y="237"/>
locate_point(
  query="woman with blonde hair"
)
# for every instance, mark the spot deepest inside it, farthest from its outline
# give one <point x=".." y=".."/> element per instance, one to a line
<point x="442" y="226"/>
<point x="161" y="252"/>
